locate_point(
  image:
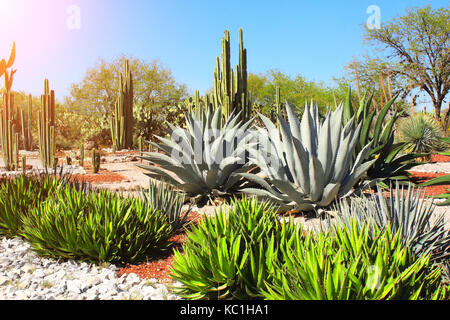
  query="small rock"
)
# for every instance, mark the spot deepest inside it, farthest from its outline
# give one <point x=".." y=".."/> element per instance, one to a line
<point x="75" y="286"/>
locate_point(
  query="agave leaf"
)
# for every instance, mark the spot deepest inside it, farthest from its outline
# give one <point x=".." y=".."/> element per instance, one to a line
<point x="381" y="116"/>
<point x="442" y="180"/>
<point x="355" y="176"/>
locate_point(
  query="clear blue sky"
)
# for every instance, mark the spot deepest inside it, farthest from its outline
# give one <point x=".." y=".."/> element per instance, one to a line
<point x="312" y="38"/>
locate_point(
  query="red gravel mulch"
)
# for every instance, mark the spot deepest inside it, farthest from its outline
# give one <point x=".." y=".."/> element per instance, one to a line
<point x="103" y="176"/>
<point x="421" y="177"/>
<point x="440" y="158"/>
<point x="159" y="267"/>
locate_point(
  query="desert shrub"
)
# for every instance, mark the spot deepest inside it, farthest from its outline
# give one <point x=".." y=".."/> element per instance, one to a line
<point x="97" y="226"/>
<point x="20" y="194"/>
<point x="346" y="263"/>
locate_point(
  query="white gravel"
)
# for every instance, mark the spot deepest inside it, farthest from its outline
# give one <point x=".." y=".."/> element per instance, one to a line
<point x="26" y="276"/>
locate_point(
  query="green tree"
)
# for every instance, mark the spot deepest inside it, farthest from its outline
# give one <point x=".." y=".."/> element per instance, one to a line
<point x="155" y="89"/>
<point x="371" y="75"/>
<point x="295" y="90"/>
<point x="416" y="46"/>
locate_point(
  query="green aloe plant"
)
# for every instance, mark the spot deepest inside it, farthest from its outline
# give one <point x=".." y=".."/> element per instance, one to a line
<point x="230" y="255"/>
<point x="312" y="163"/>
<point x="20" y="194"/>
<point x="202" y="159"/>
<point x="97" y="226"/>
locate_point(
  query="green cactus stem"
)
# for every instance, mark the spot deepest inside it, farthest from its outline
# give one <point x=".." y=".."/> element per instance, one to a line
<point x="9" y="135"/>
<point x="122" y="118"/>
<point x="229" y="85"/>
<point x="46" y="127"/>
<point x="95" y="161"/>
<point x="81" y="154"/>
<point x="26" y="118"/>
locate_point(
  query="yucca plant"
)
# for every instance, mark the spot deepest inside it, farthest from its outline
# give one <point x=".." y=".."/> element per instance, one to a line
<point x="163" y="197"/>
<point x="229" y="256"/>
<point x="20" y="194"/>
<point x="405" y="210"/>
<point x="97" y="226"/>
<point x="312" y="163"/>
<point x="347" y="263"/>
<point x="202" y="159"/>
<point x="421" y="134"/>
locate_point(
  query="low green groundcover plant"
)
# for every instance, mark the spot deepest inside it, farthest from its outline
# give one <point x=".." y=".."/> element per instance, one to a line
<point x="19" y="194"/>
<point x="248" y="254"/>
<point x="97" y="226"/>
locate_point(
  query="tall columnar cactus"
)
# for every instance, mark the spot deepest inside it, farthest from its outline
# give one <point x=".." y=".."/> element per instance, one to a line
<point x="95" y="161"/>
<point x="8" y="129"/>
<point x="122" y="119"/>
<point x="46" y="127"/>
<point x="26" y="118"/>
<point x="9" y="134"/>
<point x="229" y="85"/>
<point x="81" y="154"/>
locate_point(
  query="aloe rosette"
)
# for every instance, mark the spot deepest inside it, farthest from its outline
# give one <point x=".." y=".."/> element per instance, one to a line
<point x="308" y="162"/>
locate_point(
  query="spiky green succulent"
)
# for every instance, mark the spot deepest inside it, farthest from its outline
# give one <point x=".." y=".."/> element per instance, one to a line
<point x="421" y="133"/>
<point x="312" y="163"/>
<point x="163" y="197"/>
<point x="379" y="128"/>
<point x="203" y="159"/>
<point x="406" y="210"/>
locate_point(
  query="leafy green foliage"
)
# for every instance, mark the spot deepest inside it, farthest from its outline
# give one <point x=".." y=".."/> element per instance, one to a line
<point x="203" y="158"/>
<point x="21" y="194"/>
<point x="416" y="48"/>
<point x="227" y="256"/>
<point x="312" y="163"/>
<point x="348" y="264"/>
<point x="96" y="226"/>
<point x="295" y="90"/>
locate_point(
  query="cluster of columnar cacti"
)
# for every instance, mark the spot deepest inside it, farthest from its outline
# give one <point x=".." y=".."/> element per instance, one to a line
<point x="229" y="85"/>
<point x="8" y="129"/>
<point x="46" y="127"/>
<point x="122" y="119"/>
<point x="26" y="118"/>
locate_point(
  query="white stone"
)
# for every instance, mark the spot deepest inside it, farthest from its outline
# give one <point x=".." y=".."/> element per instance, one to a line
<point x="75" y="286"/>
